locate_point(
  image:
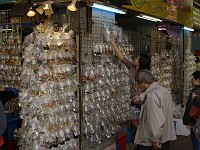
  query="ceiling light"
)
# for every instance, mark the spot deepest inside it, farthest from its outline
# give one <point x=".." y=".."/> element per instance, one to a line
<point x="108" y="8"/>
<point x="188" y="29"/>
<point x="72" y="6"/>
<point x="46" y="6"/>
<point x="149" y="18"/>
<point x="40" y="10"/>
<point x="30" y="13"/>
<point x="49" y="11"/>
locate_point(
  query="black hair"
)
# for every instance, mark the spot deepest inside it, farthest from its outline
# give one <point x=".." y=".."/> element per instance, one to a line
<point x="197" y="60"/>
<point x="196" y="75"/>
<point x="144" y="61"/>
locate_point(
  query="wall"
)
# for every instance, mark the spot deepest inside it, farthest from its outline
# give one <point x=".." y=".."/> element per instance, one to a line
<point x="195" y="43"/>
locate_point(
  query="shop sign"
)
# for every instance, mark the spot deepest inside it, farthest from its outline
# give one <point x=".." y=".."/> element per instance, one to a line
<point x="185" y="12"/>
<point x="102" y="14"/>
<point x="162" y="10"/>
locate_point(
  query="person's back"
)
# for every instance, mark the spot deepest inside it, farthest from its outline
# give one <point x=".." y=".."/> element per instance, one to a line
<point x="158" y="106"/>
<point x="165" y="99"/>
<point x="156" y="123"/>
<point x="188" y="120"/>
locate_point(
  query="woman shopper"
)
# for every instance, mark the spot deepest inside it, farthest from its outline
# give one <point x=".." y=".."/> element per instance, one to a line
<point x="143" y="61"/>
<point x="189" y="121"/>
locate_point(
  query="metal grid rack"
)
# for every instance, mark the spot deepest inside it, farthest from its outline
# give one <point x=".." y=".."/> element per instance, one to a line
<point x="5" y="16"/>
<point x="140" y="32"/>
<point x="11" y="38"/>
<point x="177" y="53"/>
<point x="87" y="56"/>
<point x="90" y="31"/>
<point x="145" y="38"/>
<point x="96" y="35"/>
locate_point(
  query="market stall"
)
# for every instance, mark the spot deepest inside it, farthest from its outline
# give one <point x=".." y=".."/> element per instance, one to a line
<point x="74" y="93"/>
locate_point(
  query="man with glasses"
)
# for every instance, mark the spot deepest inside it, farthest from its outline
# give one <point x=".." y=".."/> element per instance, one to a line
<point x="156" y="127"/>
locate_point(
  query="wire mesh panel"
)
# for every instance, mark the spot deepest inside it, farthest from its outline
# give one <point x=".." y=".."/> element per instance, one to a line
<point x="5" y="16"/>
<point x="176" y="33"/>
<point x="10" y="50"/>
<point x="88" y="39"/>
<point x="146" y="38"/>
<point x="189" y="65"/>
<point x="140" y="32"/>
<point x="101" y="84"/>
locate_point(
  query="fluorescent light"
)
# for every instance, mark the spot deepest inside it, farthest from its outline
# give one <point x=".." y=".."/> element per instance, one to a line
<point x="6" y="29"/>
<point x="108" y="8"/>
<point x="162" y="29"/>
<point x="188" y="29"/>
<point x="149" y="18"/>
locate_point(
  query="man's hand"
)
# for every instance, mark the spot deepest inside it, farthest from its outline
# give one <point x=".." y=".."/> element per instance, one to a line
<point x="188" y="126"/>
<point x="137" y="100"/>
<point x="194" y="95"/>
<point x="156" y="145"/>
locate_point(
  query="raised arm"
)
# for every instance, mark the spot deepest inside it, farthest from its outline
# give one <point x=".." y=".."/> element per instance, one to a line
<point x="121" y="57"/>
<point x="117" y="50"/>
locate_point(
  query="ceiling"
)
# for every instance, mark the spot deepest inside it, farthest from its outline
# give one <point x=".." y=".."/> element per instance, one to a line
<point x="22" y="6"/>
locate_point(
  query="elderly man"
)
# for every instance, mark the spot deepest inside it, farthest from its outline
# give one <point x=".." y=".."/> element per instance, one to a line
<point x="156" y="128"/>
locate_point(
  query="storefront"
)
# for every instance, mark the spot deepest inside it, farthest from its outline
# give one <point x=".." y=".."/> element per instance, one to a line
<point x="74" y="93"/>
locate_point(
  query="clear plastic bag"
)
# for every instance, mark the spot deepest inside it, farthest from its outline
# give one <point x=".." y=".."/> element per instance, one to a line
<point x="135" y="115"/>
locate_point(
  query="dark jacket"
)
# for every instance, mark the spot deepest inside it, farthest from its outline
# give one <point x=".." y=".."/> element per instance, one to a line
<point x="3" y="123"/>
<point x="196" y="101"/>
<point x="186" y="117"/>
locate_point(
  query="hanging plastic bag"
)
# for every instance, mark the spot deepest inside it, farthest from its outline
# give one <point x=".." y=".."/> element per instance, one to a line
<point x="135" y="115"/>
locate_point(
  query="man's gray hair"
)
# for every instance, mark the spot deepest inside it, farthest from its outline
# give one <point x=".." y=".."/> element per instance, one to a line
<point x="145" y="76"/>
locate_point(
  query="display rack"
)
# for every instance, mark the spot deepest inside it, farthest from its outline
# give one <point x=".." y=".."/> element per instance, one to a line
<point x="5" y="16"/>
<point x="11" y="49"/>
<point x="170" y="49"/>
<point x="147" y="39"/>
<point x="49" y="90"/>
<point x="142" y="33"/>
<point x="104" y="103"/>
<point x="189" y="66"/>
